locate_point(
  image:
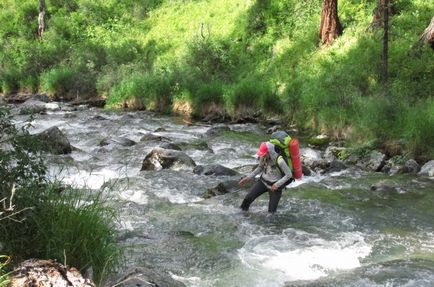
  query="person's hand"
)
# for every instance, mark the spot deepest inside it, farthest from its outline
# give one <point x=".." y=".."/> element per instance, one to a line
<point x="244" y="180"/>
<point x="274" y="187"/>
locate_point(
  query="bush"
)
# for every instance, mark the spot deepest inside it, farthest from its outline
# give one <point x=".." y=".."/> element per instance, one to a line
<point x="153" y="89"/>
<point x="58" y="81"/>
<point x="4" y="276"/>
<point x="47" y="220"/>
<point x="254" y="94"/>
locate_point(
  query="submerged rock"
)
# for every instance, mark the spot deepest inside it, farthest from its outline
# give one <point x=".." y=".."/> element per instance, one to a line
<point x="54" y="141"/>
<point x="216" y="130"/>
<point x="173" y="146"/>
<point x="214" y="169"/>
<point x="143" y="277"/>
<point x="160" y="158"/>
<point x="47" y="273"/>
<point x="222" y="188"/>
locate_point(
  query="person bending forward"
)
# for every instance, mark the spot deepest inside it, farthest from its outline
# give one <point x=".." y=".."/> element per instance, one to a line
<point x="275" y="174"/>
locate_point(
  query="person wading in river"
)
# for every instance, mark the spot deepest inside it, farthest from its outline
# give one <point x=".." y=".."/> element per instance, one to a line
<point x="275" y="174"/>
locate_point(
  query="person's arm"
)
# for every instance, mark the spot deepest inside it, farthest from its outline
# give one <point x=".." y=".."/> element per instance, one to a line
<point x="287" y="173"/>
<point x="254" y="173"/>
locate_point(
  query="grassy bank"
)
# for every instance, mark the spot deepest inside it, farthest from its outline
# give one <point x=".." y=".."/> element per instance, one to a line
<point x="233" y="56"/>
<point x="42" y="219"/>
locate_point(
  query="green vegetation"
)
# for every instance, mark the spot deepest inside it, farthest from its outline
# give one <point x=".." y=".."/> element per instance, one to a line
<point x="243" y="56"/>
<point x="41" y="219"/>
<point x="4" y="276"/>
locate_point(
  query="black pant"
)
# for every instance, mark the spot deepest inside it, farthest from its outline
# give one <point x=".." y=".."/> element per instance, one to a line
<point x="259" y="189"/>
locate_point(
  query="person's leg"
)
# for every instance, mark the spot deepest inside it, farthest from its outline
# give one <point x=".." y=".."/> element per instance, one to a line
<point x="274" y="200"/>
<point x="258" y="189"/>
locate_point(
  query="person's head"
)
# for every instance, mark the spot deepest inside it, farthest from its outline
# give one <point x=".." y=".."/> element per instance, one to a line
<point x="263" y="150"/>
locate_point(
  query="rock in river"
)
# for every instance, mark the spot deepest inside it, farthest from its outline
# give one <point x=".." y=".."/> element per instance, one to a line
<point x="160" y="158"/>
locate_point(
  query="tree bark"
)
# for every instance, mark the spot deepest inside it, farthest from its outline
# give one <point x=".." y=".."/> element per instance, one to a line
<point x="427" y="36"/>
<point x="385" y="13"/>
<point x="378" y="17"/>
<point x="41" y="18"/>
<point x="330" y="27"/>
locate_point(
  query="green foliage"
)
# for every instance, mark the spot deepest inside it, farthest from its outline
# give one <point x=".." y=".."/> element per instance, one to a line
<point x="21" y="161"/>
<point x="4" y="276"/>
<point x="45" y="220"/>
<point x="129" y="49"/>
<point x="154" y="89"/>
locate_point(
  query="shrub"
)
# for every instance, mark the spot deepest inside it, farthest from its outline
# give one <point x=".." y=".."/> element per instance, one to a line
<point x="47" y="220"/>
<point x="4" y="276"/>
<point x="154" y="89"/>
<point x="58" y="81"/>
<point x="256" y="95"/>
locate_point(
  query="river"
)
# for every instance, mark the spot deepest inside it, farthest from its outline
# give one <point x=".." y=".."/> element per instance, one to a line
<point x="330" y="229"/>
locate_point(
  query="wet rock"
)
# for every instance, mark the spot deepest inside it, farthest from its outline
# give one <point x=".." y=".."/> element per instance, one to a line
<point x="170" y="146"/>
<point x="273" y="129"/>
<point x="427" y="169"/>
<point x="99" y="118"/>
<point x="306" y="171"/>
<point x="336" y="165"/>
<point x="92" y="102"/>
<point x="376" y="161"/>
<point x="52" y="106"/>
<point x="117" y="141"/>
<point x="214" y="131"/>
<point x="222" y="188"/>
<point x="386" y="187"/>
<point x="46" y="273"/>
<point x="160" y="158"/>
<point x="214" y="169"/>
<point x="411" y="166"/>
<point x="32" y="107"/>
<point x="143" y="277"/>
<point x="310" y="156"/>
<point x="333" y="152"/>
<point x="150" y="137"/>
<point x="124" y="142"/>
<point x="197" y="145"/>
<point x="41" y="97"/>
<point x="55" y="141"/>
<point x="157" y="130"/>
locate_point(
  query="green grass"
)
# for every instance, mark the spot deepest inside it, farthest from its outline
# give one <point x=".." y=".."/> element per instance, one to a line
<point x="72" y="226"/>
<point x="259" y="54"/>
<point x="4" y="276"/>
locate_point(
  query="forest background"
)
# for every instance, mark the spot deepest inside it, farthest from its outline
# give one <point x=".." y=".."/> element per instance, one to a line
<point x="234" y="58"/>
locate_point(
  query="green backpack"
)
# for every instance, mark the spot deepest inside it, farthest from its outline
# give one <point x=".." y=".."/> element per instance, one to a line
<point x="281" y="140"/>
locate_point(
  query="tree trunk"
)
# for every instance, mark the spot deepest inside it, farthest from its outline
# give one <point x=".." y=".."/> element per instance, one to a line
<point x="385" y="42"/>
<point x="427" y="36"/>
<point x="41" y="18"/>
<point x="378" y="17"/>
<point x="330" y="27"/>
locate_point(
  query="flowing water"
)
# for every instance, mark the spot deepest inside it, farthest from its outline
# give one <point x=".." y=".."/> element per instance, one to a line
<point x="330" y="230"/>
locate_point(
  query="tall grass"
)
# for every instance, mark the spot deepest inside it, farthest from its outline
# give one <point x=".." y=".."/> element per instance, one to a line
<point x="4" y="276"/>
<point x="263" y="54"/>
<point x="47" y="220"/>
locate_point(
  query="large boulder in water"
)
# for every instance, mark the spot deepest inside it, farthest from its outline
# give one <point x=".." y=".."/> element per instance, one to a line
<point x="160" y="158"/>
<point x="45" y="273"/>
<point x="427" y="169"/>
<point x="55" y="141"/>
<point x="214" y="169"/>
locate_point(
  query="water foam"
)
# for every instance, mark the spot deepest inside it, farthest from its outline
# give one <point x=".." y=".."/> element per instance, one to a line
<point x="290" y="259"/>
